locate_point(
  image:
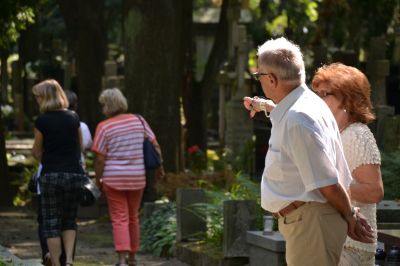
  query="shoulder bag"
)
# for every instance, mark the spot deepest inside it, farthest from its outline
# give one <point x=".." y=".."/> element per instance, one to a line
<point x="151" y="157"/>
<point x="90" y="193"/>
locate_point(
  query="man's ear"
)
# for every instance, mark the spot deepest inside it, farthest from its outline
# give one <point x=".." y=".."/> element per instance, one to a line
<point x="273" y="79"/>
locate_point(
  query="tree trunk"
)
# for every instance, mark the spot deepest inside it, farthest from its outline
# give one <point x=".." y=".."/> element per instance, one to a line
<point x="5" y="180"/>
<point x="154" y="68"/>
<point x="3" y="76"/>
<point x="199" y="97"/>
<point x="87" y="34"/>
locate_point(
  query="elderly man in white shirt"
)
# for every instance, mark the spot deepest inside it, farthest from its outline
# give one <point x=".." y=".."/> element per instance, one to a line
<point x="306" y="177"/>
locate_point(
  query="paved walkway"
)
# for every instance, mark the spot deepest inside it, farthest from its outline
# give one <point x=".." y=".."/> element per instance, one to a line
<point x="94" y="247"/>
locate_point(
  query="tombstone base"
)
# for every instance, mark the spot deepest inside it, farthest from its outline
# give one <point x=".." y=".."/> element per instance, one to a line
<point x="264" y="248"/>
<point x="198" y="254"/>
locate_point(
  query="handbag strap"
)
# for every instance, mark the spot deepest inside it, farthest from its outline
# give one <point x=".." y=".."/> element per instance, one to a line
<point x="144" y="127"/>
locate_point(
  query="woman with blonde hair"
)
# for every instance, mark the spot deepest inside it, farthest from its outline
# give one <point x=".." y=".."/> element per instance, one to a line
<point x="57" y="146"/>
<point x="120" y="169"/>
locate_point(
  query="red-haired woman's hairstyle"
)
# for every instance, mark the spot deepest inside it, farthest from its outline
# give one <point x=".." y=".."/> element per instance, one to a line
<point x="352" y="86"/>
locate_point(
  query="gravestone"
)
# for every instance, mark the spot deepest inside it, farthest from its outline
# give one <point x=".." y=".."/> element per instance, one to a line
<point x="239" y="127"/>
<point x="149" y="208"/>
<point x="388" y="214"/>
<point x="266" y="249"/>
<point x="111" y="79"/>
<point x="347" y="57"/>
<point x="190" y="225"/>
<point x="382" y="113"/>
<point x="239" y="217"/>
<point x="390" y="138"/>
<point x="378" y="68"/>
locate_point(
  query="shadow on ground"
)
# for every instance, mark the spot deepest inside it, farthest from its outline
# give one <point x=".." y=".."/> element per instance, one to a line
<point x="94" y="247"/>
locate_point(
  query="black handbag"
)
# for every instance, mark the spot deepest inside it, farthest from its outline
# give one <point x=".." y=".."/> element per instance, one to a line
<point x="90" y="193"/>
<point x="152" y="159"/>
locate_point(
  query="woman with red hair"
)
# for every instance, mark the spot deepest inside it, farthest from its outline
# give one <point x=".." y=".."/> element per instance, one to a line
<point x="346" y="91"/>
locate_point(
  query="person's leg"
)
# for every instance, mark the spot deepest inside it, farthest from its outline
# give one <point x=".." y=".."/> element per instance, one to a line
<point x="54" y="244"/>
<point x="118" y="209"/>
<point x="42" y="240"/>
<point x="68" y="238"/>
<point x="314" y="234"/>
<point x="72" y="188"/>
<point x="63" y="257"/>
<point x="51" y="199"/>
<point x="134" y="199"/>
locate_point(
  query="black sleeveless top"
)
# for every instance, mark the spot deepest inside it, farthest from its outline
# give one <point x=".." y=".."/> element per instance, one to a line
<point x="61" y="148"/>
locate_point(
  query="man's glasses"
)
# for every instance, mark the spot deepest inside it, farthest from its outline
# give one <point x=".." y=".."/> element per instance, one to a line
<point x="257" y="75"/>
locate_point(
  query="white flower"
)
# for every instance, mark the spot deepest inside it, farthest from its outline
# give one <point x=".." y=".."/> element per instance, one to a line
<point x="7" y="110"/>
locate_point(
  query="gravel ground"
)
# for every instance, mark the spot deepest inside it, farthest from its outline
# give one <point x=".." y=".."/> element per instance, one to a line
<point x="18" y="234"/>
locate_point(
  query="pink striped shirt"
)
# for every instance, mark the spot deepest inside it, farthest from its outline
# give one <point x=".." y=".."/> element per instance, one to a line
<point x="120" y="140"/>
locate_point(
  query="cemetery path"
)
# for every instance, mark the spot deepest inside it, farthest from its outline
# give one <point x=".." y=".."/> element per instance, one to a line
<point x="18" y="233"/>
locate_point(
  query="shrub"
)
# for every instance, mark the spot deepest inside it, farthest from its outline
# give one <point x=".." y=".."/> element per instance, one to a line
<point x="207" y="180"/>
<point x="390" y="169"/>
<point x="241" y="189"/>
<point x="158" y="232"/>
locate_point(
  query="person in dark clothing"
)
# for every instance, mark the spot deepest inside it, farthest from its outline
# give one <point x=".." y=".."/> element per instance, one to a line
<point x="58" y="146"/>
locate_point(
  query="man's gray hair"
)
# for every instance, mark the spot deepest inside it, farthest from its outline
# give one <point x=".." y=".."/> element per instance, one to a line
<point x="284" y="57"/>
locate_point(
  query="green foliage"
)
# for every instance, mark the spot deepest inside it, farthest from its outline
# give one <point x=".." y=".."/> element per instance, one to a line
<point x="241" y="189"/>
<point x="202" y="3"/>
<point x="163" y="220"/>
<point x="89" y="160"/>
<point x="349" y="24"/>
<point x="15" y="15"/>
<point x="158" y="232"/>
<point x="198" y="161"/>
<point x="294" y="18"/>
<point x="23" y="195"/>
<point x="390" y="169"/>
<point x="241" y="162"/>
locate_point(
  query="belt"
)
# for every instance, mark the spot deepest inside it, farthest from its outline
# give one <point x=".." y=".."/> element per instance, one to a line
<point x="288" y="209"/>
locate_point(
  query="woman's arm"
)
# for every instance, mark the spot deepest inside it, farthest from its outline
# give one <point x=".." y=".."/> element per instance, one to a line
<point x="81" y="140"/>
<point x="369" y="188"/>
<point x="37" y="150"/>
<point x="99" y="168"/>
<point x="159" y="173"/>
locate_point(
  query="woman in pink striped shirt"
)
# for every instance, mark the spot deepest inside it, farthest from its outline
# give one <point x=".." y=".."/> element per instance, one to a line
<point x="120" y="170"/>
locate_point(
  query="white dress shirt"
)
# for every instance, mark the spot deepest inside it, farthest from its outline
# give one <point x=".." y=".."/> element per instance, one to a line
<point x="305" y="152"/>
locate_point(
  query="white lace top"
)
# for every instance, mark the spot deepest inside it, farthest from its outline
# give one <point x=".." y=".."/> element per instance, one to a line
<point x="360" y="148"/>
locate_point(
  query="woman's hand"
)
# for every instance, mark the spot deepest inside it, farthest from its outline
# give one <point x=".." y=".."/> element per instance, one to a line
<point x="99" y="168"/>
<point x="159" y="174"/>
<point x="99" y="183"/>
